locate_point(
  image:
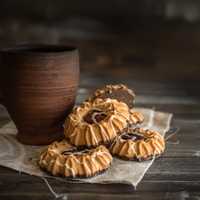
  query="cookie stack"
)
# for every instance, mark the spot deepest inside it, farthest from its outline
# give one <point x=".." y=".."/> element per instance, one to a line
<point x="101" y="127"/>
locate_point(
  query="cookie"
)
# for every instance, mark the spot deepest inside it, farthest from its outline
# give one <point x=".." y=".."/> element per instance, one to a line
<point x="97" y="122"/>
<point x="138" y="144"/>
<point x="120" y="92"/>
<point x="63" y="159"/>
<point x="135" y="117"/>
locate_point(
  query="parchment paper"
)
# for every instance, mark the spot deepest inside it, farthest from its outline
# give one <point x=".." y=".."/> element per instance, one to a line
<point x="24" y="158"/>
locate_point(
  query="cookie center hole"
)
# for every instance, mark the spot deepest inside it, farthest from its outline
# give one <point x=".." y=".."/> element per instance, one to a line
<point x="132" y="136"/>
<point x="75" y="151"/>
<point x="69" y="151"/>
<point x="94" y="116"/>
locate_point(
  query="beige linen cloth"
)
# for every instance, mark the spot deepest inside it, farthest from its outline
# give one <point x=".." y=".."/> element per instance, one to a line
<point x="24" y="158"/>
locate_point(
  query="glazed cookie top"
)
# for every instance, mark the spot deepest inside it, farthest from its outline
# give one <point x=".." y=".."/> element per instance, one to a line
<point x="120" y="92"/>
<point x="64" y="148"/>
<point x="138" y="144"/>
<point x="62" y="158"/>
<point x="98" y="110"/>
<point x="96" y="122"/>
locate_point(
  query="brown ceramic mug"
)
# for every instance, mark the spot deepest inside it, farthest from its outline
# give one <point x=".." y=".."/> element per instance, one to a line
<point x="39" y="85"/>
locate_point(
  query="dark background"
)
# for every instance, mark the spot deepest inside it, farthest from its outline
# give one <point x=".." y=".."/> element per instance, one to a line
<point x="145" y="40"/>
<point x="151" y="45"/>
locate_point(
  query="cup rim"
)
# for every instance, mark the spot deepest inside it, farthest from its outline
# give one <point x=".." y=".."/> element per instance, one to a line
<point x="41" y="49"/>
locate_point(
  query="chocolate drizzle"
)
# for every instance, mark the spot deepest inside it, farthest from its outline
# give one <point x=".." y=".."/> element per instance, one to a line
<point x="75" y="151"/>
<point x="69" y="151"/>
<point x="94" y="116"/>
<point x="133" y="136"/>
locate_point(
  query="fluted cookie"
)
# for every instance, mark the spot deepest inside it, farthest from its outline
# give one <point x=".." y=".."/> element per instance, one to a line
<point x="138" y="144"/>
<point x="97" y="122"/>
<point x="120" y="92"/>
<point x="135" y="117"/>
<point x="63" y="159"/>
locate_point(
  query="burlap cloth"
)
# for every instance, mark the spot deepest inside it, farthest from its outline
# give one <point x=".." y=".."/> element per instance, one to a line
<point x="24" y="158"/>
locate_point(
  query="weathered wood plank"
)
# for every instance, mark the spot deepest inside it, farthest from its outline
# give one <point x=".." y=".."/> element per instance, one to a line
<point x="187" y="141"/>
<point x="147" y="86"/>
<point x="153" y="99"/>
<point x="166" y="174"/>
<point x="25" y="186"/>
<point x="83" y="196"/>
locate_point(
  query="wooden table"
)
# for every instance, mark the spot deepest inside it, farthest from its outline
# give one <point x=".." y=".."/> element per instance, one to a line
<point x="176" y="175"/>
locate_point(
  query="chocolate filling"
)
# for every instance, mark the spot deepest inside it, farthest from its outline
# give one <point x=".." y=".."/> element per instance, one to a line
<point x="75" y="151"/>
<point x="132" y="136"/>
<point x="94" y="116"/>
<point x="69" y="151"/>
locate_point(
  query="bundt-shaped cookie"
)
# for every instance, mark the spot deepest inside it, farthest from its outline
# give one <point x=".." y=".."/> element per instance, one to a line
<point x="96" y="122"/>
<point x="120" y="92"/>
<point x="63" y="159"/>
<point x="138" y="144"/>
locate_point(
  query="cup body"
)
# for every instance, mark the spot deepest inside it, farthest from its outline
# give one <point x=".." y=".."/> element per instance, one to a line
<point x="39" y="85"/>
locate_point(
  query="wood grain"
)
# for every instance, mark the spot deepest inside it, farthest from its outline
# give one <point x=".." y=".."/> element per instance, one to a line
<point x="176" y="175"/>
